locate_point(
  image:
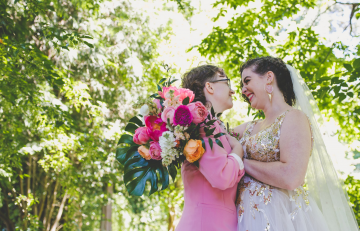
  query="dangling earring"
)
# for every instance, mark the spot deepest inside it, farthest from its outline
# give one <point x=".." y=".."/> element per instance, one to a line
<point x="269" y="89"/>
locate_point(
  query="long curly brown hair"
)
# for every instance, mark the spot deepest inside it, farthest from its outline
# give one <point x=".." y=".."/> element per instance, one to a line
<point x="282" y="75"/>
<point x="196" y="78"/>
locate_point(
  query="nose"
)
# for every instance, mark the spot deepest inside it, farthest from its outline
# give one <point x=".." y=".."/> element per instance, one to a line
<point x="232" y="91"/>
<point x="243" y="90"/>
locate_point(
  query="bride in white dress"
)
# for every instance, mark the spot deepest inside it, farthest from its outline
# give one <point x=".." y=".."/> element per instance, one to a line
<point x="291" y="184"/>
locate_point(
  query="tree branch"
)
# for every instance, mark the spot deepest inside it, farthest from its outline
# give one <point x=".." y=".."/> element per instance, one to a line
<point x="52" y="205"/>
<point x="59" y="214"/>
<point x="42" y="202"/>
<point x="321" y="14"/>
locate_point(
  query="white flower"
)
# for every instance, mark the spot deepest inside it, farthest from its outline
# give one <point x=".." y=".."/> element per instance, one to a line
<point x="167" y="140"/>
<point x="144" y="110"/>
<point x="169" y="156"/>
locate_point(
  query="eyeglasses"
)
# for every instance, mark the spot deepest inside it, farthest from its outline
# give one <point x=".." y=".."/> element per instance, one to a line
<point x="222" y="80"/>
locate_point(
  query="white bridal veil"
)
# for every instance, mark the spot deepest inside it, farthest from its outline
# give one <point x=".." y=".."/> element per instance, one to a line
<point x="323" y="183"/>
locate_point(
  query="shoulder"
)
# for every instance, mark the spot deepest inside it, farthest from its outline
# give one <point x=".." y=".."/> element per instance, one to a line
<point x="295" y="120"/>
<point x="241" y="128"/>
<point x="295" y="115"/>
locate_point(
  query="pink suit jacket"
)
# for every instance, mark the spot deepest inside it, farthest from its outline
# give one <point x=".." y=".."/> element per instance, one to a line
<point x="210" y="190"/>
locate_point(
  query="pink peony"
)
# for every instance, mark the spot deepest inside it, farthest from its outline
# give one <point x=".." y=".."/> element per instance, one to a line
<point x="182" y="116"/>
<point x="158" y="104"/>
<point x="155" y="150"/>
<point x="166" y="90"/>
<point x="168" y="113"/>
<point x="198" y="111"/>
<point x="183" y="93"/>
<point x="141" y="136"/>
<point x="155" y="127"/>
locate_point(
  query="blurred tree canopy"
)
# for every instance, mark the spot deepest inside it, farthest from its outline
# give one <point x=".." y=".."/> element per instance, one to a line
<point x="70" y="71"/>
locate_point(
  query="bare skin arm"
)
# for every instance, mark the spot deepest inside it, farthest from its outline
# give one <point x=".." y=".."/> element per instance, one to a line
<point x="241" y="128"/>
<point x="295" y="148"/>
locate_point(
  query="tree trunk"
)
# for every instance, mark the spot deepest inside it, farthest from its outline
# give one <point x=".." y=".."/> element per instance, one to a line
<point x="106" y="212"/>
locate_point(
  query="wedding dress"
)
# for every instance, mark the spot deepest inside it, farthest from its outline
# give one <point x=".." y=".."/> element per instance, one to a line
<point x="264" y="207"/>
<point x="319" y="205"/>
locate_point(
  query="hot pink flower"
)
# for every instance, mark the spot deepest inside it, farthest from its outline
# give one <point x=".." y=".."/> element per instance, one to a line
<point x="155" y="150"/>
<point x="155" y="127"/>
<point x="168" y="113"/>
<point x="198" y="111"/>
<point x="141" y="136"/>
<point x="182" y="116"/>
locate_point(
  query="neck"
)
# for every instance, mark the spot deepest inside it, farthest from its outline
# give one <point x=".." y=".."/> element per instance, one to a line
<point x="275" y="107"/>
<point x="216" y="108"/>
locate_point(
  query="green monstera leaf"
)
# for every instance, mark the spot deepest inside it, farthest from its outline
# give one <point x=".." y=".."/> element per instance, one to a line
<point x="137" y="170"/>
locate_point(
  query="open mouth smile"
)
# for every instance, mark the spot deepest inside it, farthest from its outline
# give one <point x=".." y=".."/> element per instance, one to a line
<point x="250" y="96"/>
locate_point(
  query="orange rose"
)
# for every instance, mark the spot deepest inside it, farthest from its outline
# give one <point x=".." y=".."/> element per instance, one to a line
<point x="193" y="150"/>
<point x="144" y="152"/>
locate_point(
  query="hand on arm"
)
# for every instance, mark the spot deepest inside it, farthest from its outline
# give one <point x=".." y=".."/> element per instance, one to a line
<point x="295" y="149"/>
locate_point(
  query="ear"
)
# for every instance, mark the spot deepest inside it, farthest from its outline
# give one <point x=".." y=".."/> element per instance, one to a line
<point x="208" y="88"/>
<point x="270" y="77"/>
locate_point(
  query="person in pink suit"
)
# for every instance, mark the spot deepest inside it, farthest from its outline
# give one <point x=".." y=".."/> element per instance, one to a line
<point x="210" y="190"/>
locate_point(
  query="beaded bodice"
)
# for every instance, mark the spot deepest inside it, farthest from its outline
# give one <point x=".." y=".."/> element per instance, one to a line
<point x="264" y="145"/>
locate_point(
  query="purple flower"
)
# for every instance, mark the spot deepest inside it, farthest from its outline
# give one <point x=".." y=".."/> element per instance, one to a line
<point x="182" y="116"/>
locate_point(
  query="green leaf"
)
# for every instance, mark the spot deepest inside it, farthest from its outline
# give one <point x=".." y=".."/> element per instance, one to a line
<point x="342" y="96"/>
<point x="164" y="177"/>
<point x="58" y="123"/>
<point x="121" y="154"/>
<point x="211" y="143"/>
<point x="196" y="163"/>
<point x="162" y="80"/>
<point x="138" y="171"/>
<point x="130" y="127"/>
<point x="158" y="87"/>
<point x="126" y="139"/>
<point x="136" y="121"/>
<point x="173" y="81"/>
<point x="210" y="132"/>
<point x="337" y="90"/>
<point x="203" y="143"/>
<point x="172" y="170"/>
<point x="350" y="94"/>
<point x="218" y="115"/>
<point x="89" y="44"/>
<point x="154" y="95"/>
<point x="356" y="63"/>
<point x="131" y="153"/>
<point x="186" y="101"/>
<point x="219" y="143"/>
<point x="210" y="122"/>
<point x="212" y="112"/>
<point x="219" y="134"/>
<point x="348" y="67"/>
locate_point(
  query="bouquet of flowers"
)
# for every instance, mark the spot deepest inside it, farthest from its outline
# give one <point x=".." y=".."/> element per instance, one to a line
<point x="165" y="133"/>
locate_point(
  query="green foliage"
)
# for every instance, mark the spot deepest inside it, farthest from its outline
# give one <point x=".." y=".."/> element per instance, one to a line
<point x="333" y="79"/>
<point x="65" y="82"/>
<point x="353" y="190"/>
<point x="137" y="170"/>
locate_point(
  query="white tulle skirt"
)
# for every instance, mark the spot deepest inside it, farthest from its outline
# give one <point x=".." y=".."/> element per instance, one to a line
<point x="263" y="207"/>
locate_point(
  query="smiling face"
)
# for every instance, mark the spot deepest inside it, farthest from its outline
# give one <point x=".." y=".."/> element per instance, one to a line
<point x="253" y="88"/>
<point x="219" y="93"/>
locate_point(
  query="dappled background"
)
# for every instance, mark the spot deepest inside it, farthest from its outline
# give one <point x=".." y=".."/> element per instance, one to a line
<point x="71" y="70"/>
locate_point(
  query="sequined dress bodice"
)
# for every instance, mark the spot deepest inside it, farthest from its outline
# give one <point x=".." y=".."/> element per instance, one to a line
<point x="264" y="146"/>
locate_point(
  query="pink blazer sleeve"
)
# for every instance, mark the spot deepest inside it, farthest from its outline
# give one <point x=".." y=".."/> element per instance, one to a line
<point x="218" y="167"/>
